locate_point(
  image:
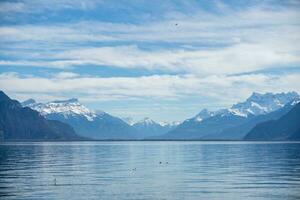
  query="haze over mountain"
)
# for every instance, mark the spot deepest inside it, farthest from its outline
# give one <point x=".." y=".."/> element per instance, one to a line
<point x="23" y="123"/>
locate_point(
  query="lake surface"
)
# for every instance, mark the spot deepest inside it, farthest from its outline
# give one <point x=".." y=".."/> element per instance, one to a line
<point x="150" y="170"/>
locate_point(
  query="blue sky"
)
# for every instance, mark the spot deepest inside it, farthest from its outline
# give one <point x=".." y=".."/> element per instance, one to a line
<point x="161" y="59"/>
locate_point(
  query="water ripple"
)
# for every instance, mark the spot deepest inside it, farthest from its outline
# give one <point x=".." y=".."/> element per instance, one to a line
<point x="150" y="170"/>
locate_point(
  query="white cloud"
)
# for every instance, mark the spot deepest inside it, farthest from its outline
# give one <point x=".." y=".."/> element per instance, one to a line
<point x="60" y="34"/>
<point x="234" y="59"/>
<point x="162" y="97"/>
<point x="221" y="88"/>
<point x="233" y="42"/>
<point x="37" y="6"/>
<point x="238" y="58"/>
<point x="205" y="27"/>
<point x="66" y="75"/>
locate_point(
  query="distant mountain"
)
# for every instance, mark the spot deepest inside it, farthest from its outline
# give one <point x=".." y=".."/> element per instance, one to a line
<point x="87" y="123"/>
<point x="233" y="123"/>
<point x="203" y="114"/>
<point x="240" y="131"/>
<point x="193" y="129"/>
<point x="148" y="128"/>
<point x="19" y="123"/>
<point x="68" y="108"/>
<point x="212" y="125"/>
<point x="286" y="127"/>
<point x="259" y="104"/>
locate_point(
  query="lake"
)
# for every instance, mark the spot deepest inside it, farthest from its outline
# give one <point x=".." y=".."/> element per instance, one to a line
<point x="150" y="170"/>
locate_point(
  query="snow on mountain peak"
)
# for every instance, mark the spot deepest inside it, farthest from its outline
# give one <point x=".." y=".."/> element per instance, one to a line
<point x="258" y="104"/>
<point x="295" y="101"/>
<point x="203" y="114"/>
<point x="70" y="107"/>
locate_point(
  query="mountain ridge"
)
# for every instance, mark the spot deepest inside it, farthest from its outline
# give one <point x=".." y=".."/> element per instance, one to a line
<point x="19" y="123"/>
<point x="87" y="123"/>
<point x="285" y="128"/>
<point x="225" y="119"/>
<point x="147" y="128"/>
<point x="232" y="123"/>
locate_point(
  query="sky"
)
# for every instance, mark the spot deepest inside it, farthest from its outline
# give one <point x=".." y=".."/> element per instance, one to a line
<point x="165" y="60"/>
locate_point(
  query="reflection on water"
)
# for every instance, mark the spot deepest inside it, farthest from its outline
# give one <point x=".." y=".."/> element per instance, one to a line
<point x="150" y="170"/>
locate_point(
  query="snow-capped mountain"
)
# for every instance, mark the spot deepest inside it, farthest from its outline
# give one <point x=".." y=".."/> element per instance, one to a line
<point x="213" y="123"/>
<point x="67" y="108"/>
<point x="259" y="104"/>
<point x="87" y="123"/>
<point x="256" y="104"/>
<point x="203" y="114"/>
<point x="149" y="128"/>
<point x="286" y="127"/>
<point x="295" y="101"/>
<point x="18" y="123"/>
<point x="240" y="131"/>
<point x="239" y="118"/>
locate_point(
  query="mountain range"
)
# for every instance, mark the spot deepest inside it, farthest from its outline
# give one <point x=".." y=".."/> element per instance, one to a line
<point x="96" y="125"/>
<point x="235" y="122"/>
<point x="87" y="123"/>
<point x="260" y="117"/>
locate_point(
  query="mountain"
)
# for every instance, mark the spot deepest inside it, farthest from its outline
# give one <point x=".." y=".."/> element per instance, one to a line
<point x="259" y="104"/>
<point x="67" y="108"/>
<point x="148" y="128"/>
<point x="203" y="114"/>
<point x="232" y="123"/>
<point x="194" y="129"/>
<point x="240" y="131"/>
<point x="19" y="123"/>
<point x="286" y="127"/>
<point x="87" y="123"/>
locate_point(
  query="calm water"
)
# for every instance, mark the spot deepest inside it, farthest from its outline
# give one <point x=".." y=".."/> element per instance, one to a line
<point x="132" y="170"/>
